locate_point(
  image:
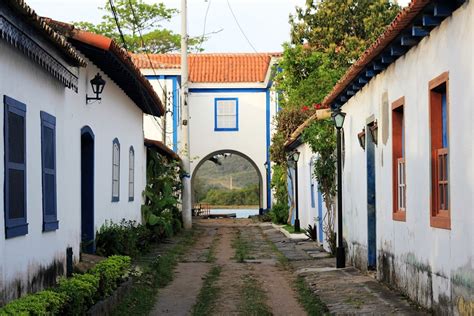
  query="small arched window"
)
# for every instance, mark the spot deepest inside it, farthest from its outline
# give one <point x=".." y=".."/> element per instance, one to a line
<point x="131" y="174"/>
<point x="115" y="170"/>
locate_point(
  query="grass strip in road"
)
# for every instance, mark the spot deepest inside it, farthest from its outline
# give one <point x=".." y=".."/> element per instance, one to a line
<point x="310" y="301"/>
<point x="208" y="295"/>
<point x="242" y="247"/>
<point x="142" y="297"/>
<point x="282" y="260"/>
<point x="253" y="299"/>
<point x="211" y="253"/>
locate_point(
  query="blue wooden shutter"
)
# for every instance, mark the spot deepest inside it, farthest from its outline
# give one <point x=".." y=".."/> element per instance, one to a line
<point x="48" y="163"/>
<point x="15" y="168"/>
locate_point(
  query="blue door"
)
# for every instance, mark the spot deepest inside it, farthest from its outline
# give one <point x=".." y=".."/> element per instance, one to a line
<point x="87" y="190"/>
<point x="320" y="216"/>
<point x="371" y="211"/>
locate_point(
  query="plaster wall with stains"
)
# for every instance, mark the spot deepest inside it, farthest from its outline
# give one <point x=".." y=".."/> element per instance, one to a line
<point x="31" y="262"/>
<point x="433" y="266"/>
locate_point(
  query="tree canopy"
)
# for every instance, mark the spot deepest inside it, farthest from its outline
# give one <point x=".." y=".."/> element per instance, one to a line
<point x="327" y="36"/>
<point x="145" y="19"/>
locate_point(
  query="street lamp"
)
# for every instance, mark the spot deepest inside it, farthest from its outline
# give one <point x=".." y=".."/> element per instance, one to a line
<point x="338" y="118"/>
<point x="293" y="160"/>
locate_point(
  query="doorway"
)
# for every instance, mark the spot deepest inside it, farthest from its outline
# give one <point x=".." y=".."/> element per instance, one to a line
<point x="371" y="209"/>
<point x="87" y="190"/>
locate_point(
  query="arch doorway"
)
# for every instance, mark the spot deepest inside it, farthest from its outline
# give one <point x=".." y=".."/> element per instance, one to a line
<point x="230" y="175"/>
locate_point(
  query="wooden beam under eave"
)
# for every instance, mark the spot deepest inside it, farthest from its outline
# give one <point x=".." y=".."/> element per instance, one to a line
<point x="396" y="51"/>
<point x="362" y="80"/>
<point x="409" y="41"/>
<point x="442" y="10"/>
<point x="350" y="93"/>
<point x="429" y="20"/>
<point x="369" y="73"/>
<point x="419" y="31"/>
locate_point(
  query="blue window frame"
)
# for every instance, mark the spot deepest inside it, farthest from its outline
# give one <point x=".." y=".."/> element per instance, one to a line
<point x="48" y="164"/>
<point x="115" y="170"/>
<point x="131" y="174"/>
<point x="15" y="205"/>
<point x="444" y="117"/>
<point x="226" y="114"/>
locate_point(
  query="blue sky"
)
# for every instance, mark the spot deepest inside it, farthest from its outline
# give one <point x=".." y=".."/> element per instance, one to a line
<point x="265" y="22"/>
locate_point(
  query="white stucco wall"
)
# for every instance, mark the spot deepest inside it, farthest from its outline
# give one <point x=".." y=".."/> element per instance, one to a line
<point x="308" y="212"/>
<point x="433" y="266"/>
<point x="250" y="139"/>
<point x="27" y="258"/>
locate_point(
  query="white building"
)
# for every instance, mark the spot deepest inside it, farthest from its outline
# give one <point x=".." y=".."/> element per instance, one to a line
<point x="408" y="189"/>
<point x="68" y="165"/>
<point x="231" y="107"/>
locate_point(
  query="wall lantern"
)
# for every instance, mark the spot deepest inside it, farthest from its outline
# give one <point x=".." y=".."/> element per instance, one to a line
<point x="361" y="137"/>
<point x="98" y="85"/>
<point x="373" y="128"/>
<point x="338" y="118"/>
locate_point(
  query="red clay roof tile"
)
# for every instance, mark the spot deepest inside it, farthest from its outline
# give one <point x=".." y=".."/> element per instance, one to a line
<point x="213" y="68"/>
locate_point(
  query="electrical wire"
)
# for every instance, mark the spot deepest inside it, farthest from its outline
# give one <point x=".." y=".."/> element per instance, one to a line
<point x="135" y="22"/>
<point x="114" y="13"/>
<point x="204" y="27"/>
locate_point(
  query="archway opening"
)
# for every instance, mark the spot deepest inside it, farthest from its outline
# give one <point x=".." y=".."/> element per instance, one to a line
<point x="227" y="183"/>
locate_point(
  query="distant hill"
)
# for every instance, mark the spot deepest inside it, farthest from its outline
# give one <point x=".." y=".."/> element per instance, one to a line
<point x="233" y="173"/>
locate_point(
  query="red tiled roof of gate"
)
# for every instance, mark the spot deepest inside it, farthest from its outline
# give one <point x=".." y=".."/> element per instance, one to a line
<point x="213" y="68"/>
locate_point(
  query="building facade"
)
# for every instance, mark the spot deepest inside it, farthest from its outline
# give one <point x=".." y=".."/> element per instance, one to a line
<point x="69" y="165"/>
<point x="231" y="107"/>
<point x="408" y="192"/>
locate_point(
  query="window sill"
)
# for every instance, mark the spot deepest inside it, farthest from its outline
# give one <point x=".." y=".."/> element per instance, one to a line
<point x="15" y="231"/>
<point x="131" y="199"/>
<point x="226" y="129"/>
<point x="440" y="221"/>
<point x="50" y="226"/>
<point x="400" y="216"/>
<point x="115" y="199"/>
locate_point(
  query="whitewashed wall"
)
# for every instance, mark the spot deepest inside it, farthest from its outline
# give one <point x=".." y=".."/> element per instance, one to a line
<point x="308" y="213"/>
<point x="38" y="256"/>
<point x="249" y="140"/>
<point x="433" y="266"/>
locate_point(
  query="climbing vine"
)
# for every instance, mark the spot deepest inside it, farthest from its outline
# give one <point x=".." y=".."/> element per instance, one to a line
<point x="162" y="195"/>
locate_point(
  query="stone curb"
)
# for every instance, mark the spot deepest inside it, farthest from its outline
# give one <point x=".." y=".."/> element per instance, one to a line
<point x="288" y="234"/>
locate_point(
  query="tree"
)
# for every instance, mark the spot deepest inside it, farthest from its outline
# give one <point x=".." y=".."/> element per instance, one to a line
<point x="144" y="19"/>
<point x="327" y="36"/>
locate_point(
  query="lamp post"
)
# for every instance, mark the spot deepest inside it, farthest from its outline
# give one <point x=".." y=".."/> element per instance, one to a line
<point x="338" y="118"/>
<point x="293" y="159"/>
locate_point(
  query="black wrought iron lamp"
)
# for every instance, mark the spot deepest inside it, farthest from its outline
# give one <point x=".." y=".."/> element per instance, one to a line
<point x="293" y="158"/>
<point x="373" y="128"/>
<point x="98" y="85"/>
<point x="338" y="118"/>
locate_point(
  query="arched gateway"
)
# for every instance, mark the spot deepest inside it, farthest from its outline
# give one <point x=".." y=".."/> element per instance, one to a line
<point x="233" y="152"/>
<point x="231" y="107"/>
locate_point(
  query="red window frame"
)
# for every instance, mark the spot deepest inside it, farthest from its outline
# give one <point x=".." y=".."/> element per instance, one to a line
<point x="440" y="214"/>
<point x="398" y="161"/>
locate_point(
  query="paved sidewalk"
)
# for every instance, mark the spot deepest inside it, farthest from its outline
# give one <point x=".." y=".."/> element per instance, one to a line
<point x="344" y="291"/>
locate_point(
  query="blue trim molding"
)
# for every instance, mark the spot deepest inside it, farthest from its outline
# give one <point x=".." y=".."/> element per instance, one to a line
<point x="269" y="169"/>
<point x="115" y="198"/>
<point x="233" y="129"/>
<point x="227" y="90"/>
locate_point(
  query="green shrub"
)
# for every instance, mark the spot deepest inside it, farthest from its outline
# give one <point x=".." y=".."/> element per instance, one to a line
<point x="74" y="296"/>
<point x="125" y="238"/>
<point x="81" y="291"/>
<point x="111" y="272"/>
<point x="41" y="303"/>
<point x="279" y="213"/>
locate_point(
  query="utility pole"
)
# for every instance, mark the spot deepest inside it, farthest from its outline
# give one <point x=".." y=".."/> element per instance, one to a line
<point x="184" y="144"/>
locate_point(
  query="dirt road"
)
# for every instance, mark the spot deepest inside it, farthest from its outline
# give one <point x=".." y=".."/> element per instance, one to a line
<point x="231" y="270"/>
